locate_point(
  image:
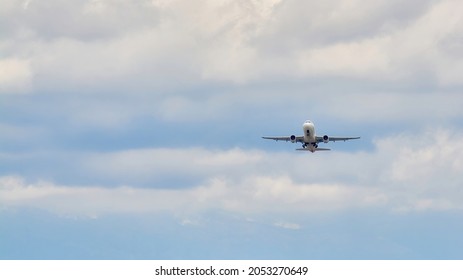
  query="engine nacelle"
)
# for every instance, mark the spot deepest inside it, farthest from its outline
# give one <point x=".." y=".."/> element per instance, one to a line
<point x="292" y="138"/>
<point x="326" y="139"/>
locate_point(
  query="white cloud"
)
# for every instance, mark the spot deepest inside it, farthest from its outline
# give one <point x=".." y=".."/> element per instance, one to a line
<point x="425" y="171"/>
<point x="173" y="43"/>
<point x="434" y="159"/>
<point x="424" y="48"/>
<point x="287" y="225"/>
<point x="398" y="107"/>
<point x="357" y="59"/>
<point x="82" y="20"/>
<point x="251" y="196"/>
<point x="404" y="173"/>
<point x="15" y="75"/>
<point x="149" y="164"/>
<point x="167" y="57"/>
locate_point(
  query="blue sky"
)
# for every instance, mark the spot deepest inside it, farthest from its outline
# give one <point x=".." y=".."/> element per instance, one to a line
<point x="132" y="129"/>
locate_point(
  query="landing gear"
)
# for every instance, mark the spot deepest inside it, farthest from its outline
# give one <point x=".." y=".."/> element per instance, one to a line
<point x="305" y="145"/>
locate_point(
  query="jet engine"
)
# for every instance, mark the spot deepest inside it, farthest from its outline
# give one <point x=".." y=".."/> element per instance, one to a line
<point x="293" y="138"/>
<point x="326" y="139"/>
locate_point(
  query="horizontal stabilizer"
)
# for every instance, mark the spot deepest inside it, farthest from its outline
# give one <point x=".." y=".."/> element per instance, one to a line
<point x="317" y="149"/>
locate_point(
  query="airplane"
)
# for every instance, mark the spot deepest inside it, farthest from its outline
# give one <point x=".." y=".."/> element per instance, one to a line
<point x="310" y="140"/>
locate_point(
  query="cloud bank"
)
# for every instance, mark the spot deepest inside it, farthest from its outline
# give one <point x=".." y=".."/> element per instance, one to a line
<point x="404" y="173"/>
<point x="167" y="44"/>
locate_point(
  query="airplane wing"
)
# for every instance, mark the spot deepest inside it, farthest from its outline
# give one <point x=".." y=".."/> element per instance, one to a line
<point x="334" y="139"/>
<point x="287" y="138"/>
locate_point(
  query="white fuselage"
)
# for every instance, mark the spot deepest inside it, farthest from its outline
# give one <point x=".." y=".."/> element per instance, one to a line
<point x="309" y="134"/>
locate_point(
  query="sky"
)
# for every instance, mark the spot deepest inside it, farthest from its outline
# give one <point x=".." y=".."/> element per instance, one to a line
<point x="132" y="129"/>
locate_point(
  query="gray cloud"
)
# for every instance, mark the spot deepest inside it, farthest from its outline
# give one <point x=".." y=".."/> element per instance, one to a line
<point x="308" y="24"/>
<point x="211" y="61"/>
<point x="80" y="20"/>
<point x="174" y="44"/>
